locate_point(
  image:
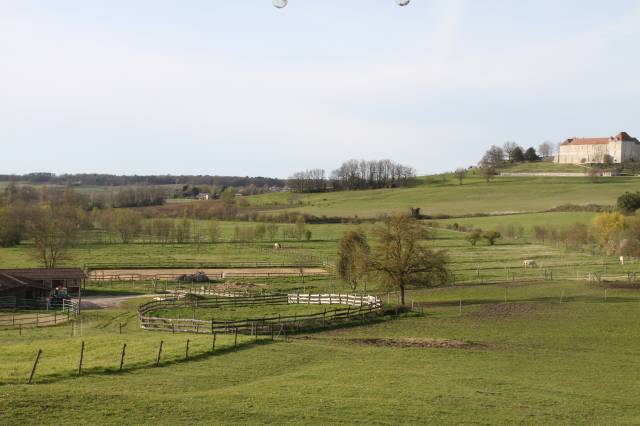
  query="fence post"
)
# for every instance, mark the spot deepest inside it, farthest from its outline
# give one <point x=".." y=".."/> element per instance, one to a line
<point x="35" y="365"/>
<point x="213" y="343"/>
<point x="81" y="358"/>
<point x="186" y="353"/>
<point x="159" y="353"/>
<point x="235" y="338"/>
<point x="124" y="348"/>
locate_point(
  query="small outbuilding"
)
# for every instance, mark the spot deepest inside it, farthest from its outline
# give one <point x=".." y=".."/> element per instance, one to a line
<point x="39" y="283"/>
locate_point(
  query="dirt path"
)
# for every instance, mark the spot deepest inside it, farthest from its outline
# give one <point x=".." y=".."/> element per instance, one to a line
<point x="105" y="302"/>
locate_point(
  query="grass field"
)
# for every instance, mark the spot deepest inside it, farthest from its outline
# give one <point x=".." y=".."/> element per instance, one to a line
<point x="527" y="221"/>
<point x="503" y="346"/>
<point x="531" y="360"/>
<point x="503" y="194"/>
<point x="240" y="312"/>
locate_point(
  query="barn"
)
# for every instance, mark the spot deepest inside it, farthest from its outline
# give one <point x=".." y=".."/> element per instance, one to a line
<point x="39" y="283"/>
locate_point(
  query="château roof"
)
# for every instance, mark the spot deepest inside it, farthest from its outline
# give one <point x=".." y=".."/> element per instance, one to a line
<point x="621" y="137"/>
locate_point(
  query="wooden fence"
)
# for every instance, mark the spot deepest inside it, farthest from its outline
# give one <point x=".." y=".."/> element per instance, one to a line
<point x="96" y="276"/>
<point x="357" y="307"/>
<point x="19" y="313"/>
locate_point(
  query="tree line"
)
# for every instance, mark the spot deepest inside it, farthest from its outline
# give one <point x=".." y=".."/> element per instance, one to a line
<point x="354" y="175"/>
<point x="509" y="153"/>
<point x="96" y="179"/>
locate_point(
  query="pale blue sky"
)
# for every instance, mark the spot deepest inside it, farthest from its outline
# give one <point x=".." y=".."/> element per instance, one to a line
<point x="242" y="88"/>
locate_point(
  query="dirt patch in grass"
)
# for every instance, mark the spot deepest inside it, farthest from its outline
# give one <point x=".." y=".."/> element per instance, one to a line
<point x="502" y="310"/>
<point x="618" y="285"/>
<point x="417" y="343"/>
<point x="237" y="285"/>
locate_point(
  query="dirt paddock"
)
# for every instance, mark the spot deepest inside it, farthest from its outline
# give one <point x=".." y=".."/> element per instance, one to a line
<point x="162" y="274"/>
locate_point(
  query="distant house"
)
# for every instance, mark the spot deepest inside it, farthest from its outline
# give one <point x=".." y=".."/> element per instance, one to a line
<point x="39" y="283"/>
<point x="616" y="149"/>
<point x="203" y="196"/>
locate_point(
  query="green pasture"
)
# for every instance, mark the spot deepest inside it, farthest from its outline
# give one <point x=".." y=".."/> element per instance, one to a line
<point x="527" y="221"/>
<point x="236" y="313"/>
<point x="502" y="194"/>
<point x="474" y="264"/>
<point x="534" y="359"/>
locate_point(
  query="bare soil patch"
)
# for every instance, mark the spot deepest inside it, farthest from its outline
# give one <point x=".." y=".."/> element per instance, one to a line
<point x="502" y="310"/>
<point x="417" y="343"/>
<point x="237" y="285"/>
<point x="625" y="286"/>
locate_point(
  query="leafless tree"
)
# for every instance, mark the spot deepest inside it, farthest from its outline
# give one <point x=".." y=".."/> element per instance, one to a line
<point x="402" y="260"/>
<point x="492" y="157"/>
<point x="508" y="148"/>
<point x="53" y="231"/>
<point x="545" y="149"/>
<point x="460" y="174"/>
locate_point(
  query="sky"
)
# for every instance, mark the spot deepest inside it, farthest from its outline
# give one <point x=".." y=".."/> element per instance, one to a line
<point x="239" y="87"/>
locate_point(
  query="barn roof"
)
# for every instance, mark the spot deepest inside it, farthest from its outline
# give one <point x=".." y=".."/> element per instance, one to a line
<point x="45" y="274"/>
<point x="8" y="282"/>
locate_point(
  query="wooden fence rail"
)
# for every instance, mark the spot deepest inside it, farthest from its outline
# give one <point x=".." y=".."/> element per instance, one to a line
<point x="358" y="306"/>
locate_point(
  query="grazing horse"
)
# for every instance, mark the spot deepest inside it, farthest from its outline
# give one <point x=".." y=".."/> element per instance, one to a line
<point x="277" y="246"/>
<point x="530" y="263"/>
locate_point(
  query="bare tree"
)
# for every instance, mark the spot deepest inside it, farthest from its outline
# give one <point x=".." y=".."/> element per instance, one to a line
<point x="545" y="149"/>
<point x="460" y="173"/>
<point x="508" y="148"/>
<point x="488" y="172"/>
<point x="213" y="231"/>
<point x="53" y="231"/>
<point x="492" y="157"/>
<point x="402" y="260"/>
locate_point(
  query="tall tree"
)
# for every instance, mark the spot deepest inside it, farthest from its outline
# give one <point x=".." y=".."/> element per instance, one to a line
<point x="353" y="258"/>
<point x="517" y="156"/>
<point x="546" y="149"/>
<point x="508" y="148"/>
<point x="402" y="260"/>
<point x="53" y="231"/>
<point x="492" y="157"/>
<point x="531" y="155"/>
<point x="127" y="223"/>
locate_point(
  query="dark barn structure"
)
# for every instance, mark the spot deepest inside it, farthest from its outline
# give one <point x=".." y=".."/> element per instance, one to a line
<point x="39" y="283"/>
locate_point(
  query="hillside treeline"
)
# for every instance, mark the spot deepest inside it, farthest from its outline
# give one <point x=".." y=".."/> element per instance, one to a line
<point x="93" y="179"/>
<point x="142" y="196"/>
<point x="353" y="175"/>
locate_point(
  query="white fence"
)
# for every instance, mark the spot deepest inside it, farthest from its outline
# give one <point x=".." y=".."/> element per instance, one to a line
<point x="334" y="299"/>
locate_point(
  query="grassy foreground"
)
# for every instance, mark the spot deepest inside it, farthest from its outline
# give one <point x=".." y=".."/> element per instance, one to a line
<point x="532" y="360"/>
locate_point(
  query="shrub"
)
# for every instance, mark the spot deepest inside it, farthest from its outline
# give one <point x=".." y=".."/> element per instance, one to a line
<point x="491" y="237"/>
<point x="629" y="202"/>
<point x="473" y="237"/>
